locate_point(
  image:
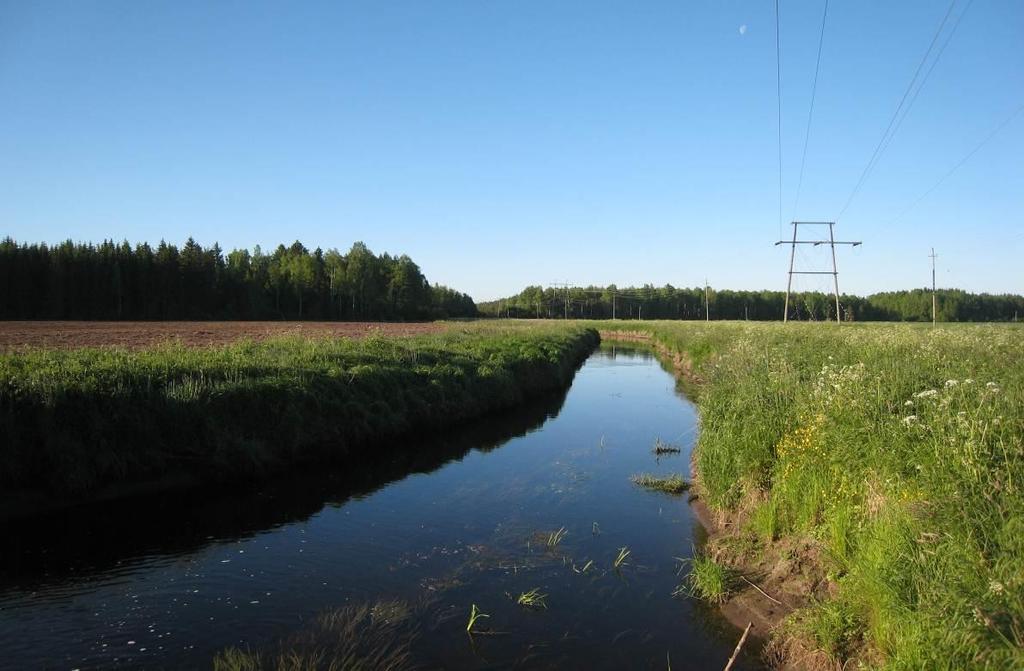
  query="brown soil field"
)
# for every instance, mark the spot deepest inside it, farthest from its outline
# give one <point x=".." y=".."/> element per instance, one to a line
<point x="138" y="335"/>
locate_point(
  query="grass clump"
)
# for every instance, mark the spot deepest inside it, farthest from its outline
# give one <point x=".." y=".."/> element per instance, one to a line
<point x="708" y="580"/>
<point x="671" y="484"/>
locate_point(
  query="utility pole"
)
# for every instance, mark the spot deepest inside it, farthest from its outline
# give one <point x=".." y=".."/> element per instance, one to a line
<point x="639" y="312"/>
<point x="831" y="242"/>
<point x="566" y="285"/>
<point x="933" y="256"/>
<point x="707" y="307"/>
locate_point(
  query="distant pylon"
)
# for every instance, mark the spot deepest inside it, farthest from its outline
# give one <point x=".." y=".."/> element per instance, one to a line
<point x="832" y="242"/>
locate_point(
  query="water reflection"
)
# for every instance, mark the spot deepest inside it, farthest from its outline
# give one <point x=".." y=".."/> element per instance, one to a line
<point x="94" y="538"/>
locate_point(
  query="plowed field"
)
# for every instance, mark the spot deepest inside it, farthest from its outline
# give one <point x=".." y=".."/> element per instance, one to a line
<point x="138" y="335"/>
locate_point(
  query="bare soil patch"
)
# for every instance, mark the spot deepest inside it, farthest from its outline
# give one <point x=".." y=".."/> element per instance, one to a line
<point x="140" y="335"/>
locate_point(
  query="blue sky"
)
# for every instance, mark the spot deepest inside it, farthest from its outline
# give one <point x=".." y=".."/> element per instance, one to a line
<point x="502" y="144"/>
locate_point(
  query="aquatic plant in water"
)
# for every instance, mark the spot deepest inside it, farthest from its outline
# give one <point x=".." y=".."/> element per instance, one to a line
<point x="672" y="484"/>
<point x="474" y="615"/>
<point x="664" y="448"/>
<point x="533" y="599"/>
<point x="555" y="537"/>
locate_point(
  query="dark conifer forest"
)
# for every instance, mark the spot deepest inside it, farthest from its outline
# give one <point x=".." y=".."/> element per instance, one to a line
<point x="117" y="281"/>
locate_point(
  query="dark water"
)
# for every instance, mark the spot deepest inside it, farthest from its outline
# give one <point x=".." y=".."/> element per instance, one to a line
<point x="167" y="582"/>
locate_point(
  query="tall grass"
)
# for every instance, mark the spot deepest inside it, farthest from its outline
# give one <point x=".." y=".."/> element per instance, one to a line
<point x="899" y="450"/>
<point x="76" y="420"/>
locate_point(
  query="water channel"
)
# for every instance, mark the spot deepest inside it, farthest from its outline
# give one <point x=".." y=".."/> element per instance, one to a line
<point x="462" y="520"/>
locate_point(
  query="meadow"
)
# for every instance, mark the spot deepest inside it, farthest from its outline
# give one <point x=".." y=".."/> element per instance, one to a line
<point x="77" y="420"/>
<point x="892" y="458"/>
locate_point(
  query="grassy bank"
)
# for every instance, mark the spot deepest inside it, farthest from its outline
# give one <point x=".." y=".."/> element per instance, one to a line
<point x="75" y="421"/>
<point x="892" y="456"/>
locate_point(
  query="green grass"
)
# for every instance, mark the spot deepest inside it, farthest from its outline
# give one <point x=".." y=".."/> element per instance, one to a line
<point x="671" y="484"/>
<point x="533" y="599"/>
<point x="74" y="421"/>
<point x="708" y="580"/>
<point x="899" y="450"/>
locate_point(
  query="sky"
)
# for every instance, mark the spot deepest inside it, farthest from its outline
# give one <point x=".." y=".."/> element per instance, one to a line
<point x="507" y="143"/>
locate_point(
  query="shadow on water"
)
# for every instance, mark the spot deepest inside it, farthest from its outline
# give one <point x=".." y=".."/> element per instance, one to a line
<point x="73" y="543"/>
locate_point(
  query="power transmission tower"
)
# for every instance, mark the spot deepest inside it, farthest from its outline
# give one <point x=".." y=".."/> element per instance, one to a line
<point x="831" y="242"/>
<point x="933" y="256"/>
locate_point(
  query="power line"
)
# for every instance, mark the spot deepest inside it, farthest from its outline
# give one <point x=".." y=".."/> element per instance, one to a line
<point x="888" y="129"/>
<point x="778" y="91"/>
<point x="959" y="163"/>
<point x="810" y="113"/>
<point x="924" y="80"/>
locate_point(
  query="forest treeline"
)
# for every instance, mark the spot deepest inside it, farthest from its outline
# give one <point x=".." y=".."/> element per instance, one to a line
<point x="117" y="281"/>
<point x="668" y="302"/>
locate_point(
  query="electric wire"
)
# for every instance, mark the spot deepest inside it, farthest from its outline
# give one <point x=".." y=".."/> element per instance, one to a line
<point x="810" y="113"/>
<point x="928" y="74"/>
<point x="878" y="148"/>
<point x="959" y="163"/>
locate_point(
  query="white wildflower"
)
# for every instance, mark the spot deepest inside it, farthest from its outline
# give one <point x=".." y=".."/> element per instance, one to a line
<point x="910" y="419"/>
<point x="995" y="587"/>
<point x="908" y="403"/>
<point x="992" y="387"/>
<point x="927" y="393"/>
<point x="951" y="383"/>
<point x="969" y="380"/>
